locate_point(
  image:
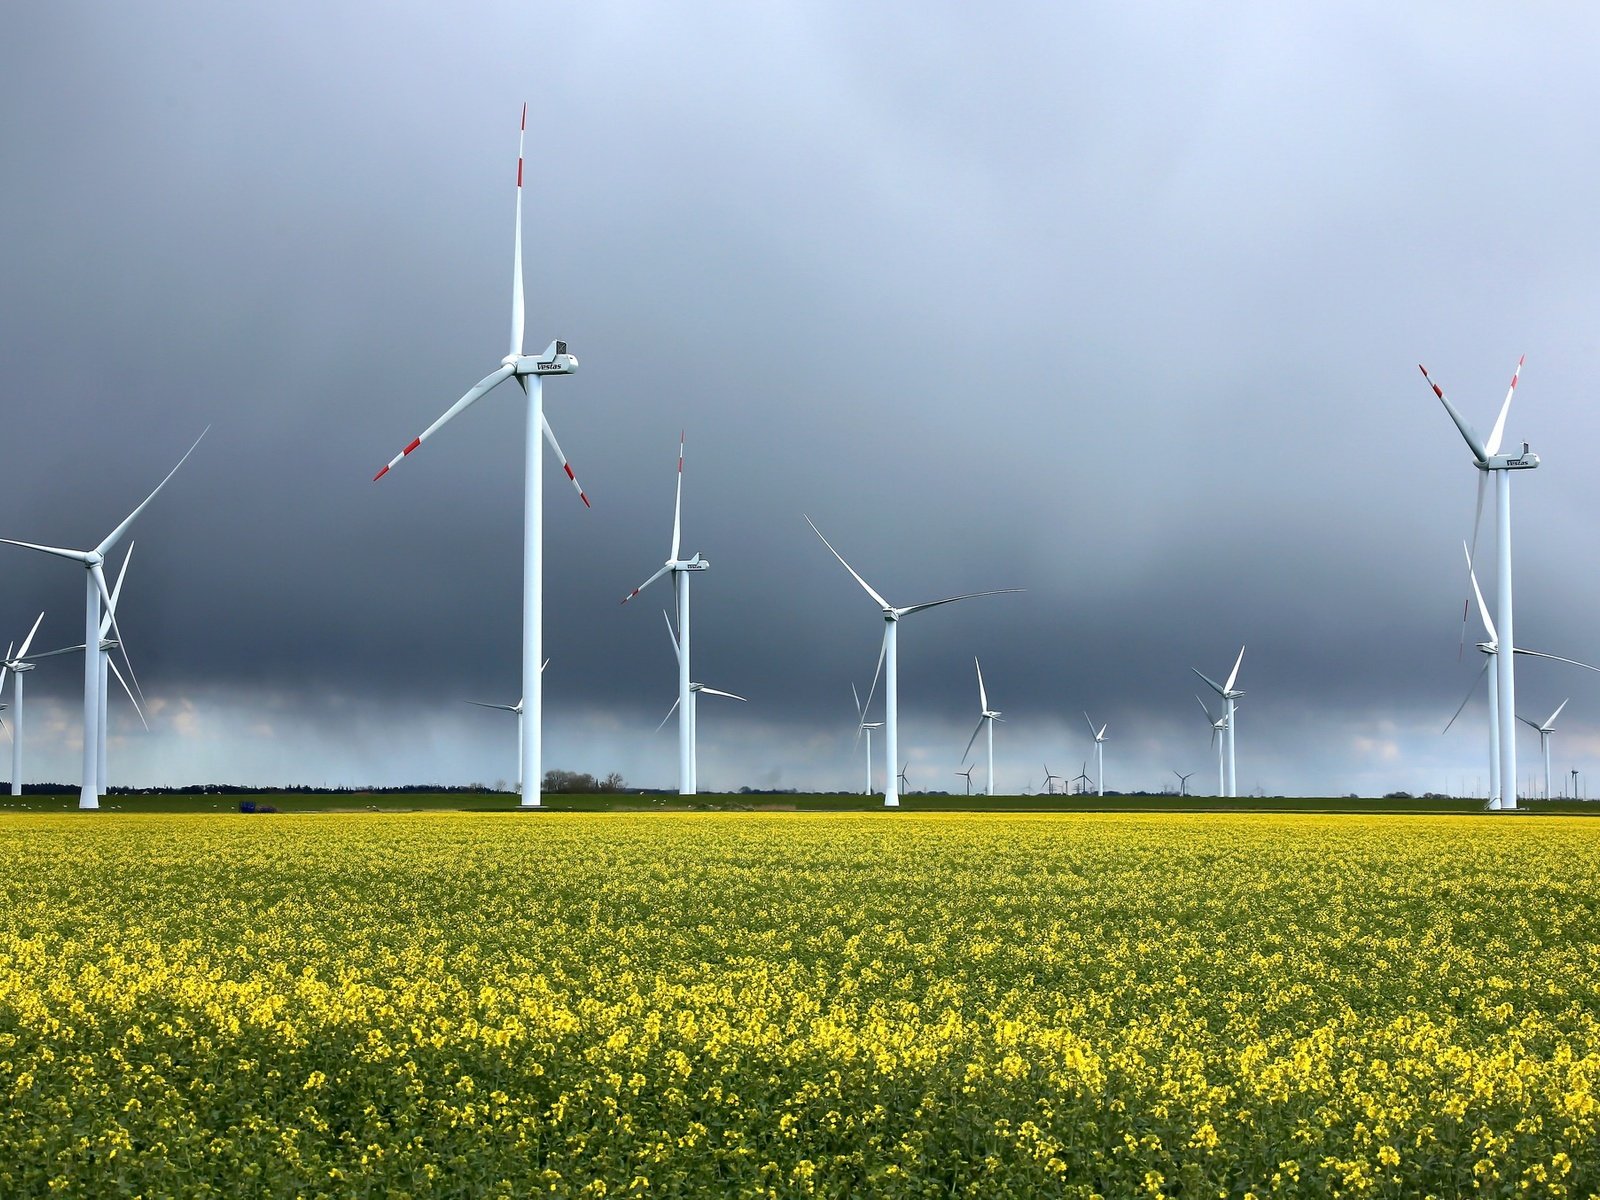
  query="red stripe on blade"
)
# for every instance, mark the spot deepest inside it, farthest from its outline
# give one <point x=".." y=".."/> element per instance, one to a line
<point x="568" y="470"/>
<point x="519" y="172"/>
<point x="380" y="475"/>
<point x="415" y="442"/>
<point x="584" y="497"/>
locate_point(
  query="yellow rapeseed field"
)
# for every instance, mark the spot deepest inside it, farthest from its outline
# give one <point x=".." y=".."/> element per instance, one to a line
<point x="787" y="1005"/>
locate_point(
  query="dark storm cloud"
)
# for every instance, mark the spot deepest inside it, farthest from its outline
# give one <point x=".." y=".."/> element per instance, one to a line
<point x="1120" y="305"/>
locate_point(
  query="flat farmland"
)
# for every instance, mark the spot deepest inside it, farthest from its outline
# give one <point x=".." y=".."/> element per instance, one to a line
<point x="783" y="1004"/>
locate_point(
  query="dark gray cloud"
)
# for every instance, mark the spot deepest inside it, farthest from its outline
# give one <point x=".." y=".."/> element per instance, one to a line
<point x="1120" y="305"/>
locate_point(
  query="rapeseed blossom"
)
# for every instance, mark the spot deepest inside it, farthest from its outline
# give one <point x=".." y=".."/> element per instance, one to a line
<point x="786" y="1005"/>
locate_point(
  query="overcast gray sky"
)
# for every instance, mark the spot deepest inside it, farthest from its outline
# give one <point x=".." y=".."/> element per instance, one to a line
<point x="1118" y="303"/>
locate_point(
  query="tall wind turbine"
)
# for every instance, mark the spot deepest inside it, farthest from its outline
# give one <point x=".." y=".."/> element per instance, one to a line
<point x="1545" y="728"/>
<point x="529" y="371"/>
<point x="680" y="569"/>
<point x="888" y="654"/>
<point x="1488" y="459"/>
<point x="987" y="718"/>
<point x="865" y="726"/>
<point x="1229" y="695"/>
<point x="1099" y="755"/>
<point x="95" y="591"/>
<point x="19" y="668"/>
<point x="1219" y="724"/>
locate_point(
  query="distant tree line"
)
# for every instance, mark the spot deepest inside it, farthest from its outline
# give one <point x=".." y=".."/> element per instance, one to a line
<point x="581" y="782"/>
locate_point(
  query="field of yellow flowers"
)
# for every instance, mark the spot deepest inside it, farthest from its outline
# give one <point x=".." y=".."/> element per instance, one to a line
<point x="777" y="1004"/>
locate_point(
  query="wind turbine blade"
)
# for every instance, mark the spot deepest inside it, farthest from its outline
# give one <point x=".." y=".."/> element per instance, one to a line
<point x="550" y="436"/>
<point x="1551" y="719"/>
<point x="116" y="592"/>
<point x="646" y="584"/>
<point x="115" y="535"/>
<point x="5" y="727"/>
<point x="1233" y="675"/>
<point x="861" y="713"/>
<point x="28" y="641"/>
<point x="1483" y="609"/>
<point x="668" y="717"/>
<point x="50" y="654"/>
<point x="510" y="708"/>
<point x="112" y="663"/>
<point x="972" y="739"/>
<point x="1557" y="658"/>
<point x="1528" y="723"/>
<point x="1499" y="430"/>
<point x="952" y="599"/>
<point x="673" y="634"/>
<point x="476" y="392"/>
<point x="1101" y="736"/>
<point x="983" y="697"/>
<point x="709" y="691"/>
<point x="1090" y="723"/>
<point x="517" y="307"/>
<point x="1477" y="520"/>
<point x="876" y="671"/>
<point x="75" y="555"/>
<point x="877" y="599"/>
<point x="677" y="503"/>
<point x="105" y="597"/>
<point x="5" y="666"/>
<point x="1210" y="682"/>
<point x="1467" y="431"/>
<point x="1476" y="679"/>
<point x="1202" y="703"/>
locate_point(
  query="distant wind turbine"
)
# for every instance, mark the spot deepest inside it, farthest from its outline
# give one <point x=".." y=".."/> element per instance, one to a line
<point x="19" y="667"/>
<point x="1099" y="755"/>
<point x="1219" y="725"/>
<point x="967" y="775"/>
<point x="1229" y="694"/>
<point x="695" y="689"/>
<point x="680" y="569"/>
<point x="1545" y="728"/>
<point x="865" y="726"/>
<point x="1082" y="779"/>
<point x="1488" y="460"/>
<point x="515" y="710"/>
<point x="1050" y="781"/>
<point x="887" y="655"/>
<point x="530" y="372"/>
<point x="1183" y="781"/>
<point x="987" y="718"/>
<point x="904" y="785"/>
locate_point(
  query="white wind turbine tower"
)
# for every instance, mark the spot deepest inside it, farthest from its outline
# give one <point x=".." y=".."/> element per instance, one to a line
<point x="529" y="371"/>
<point x="1229" y="694"/>
<point x="865" y="726"/>
<point x="1219" y="724"/>
<point x="96" y="591"/>
<point x="987" y="718"/>
<point x="1491" y="651"/>
<point x="1488" y="459"/>
<point x="19" y="667"/>
<point x="695" y="689"/>
<point x="1099" y="756"/>
<point x="1545" y="728"/>
<point x="887" y="655"/>
<point x="680" y="569"/>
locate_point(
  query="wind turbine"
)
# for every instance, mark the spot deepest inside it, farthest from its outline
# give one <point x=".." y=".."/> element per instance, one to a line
<point x="516" y="710"/>
<point x="1099" y="755"/>
<point x="901" y="778"/>
<point x="529" y="371"/>
<point x="864" y="725"/>
<point x="680" y="569"/>
<point x="967" y="775"/>
<point x="891" y="680"/>
<point x="1488" y="459"/>
<point x="988" y="717"/>
<point x="19" y="667"/>
<point x="1219" y="724"/>
<point x="1492" y="664"/>
<point x="95" y="591"/>
<point x="694" y="690"/>
<point x="1183" y="782"/>
<point x="1545" y="728"/>
<point x="1229" y="695"/>
<point x="1049" y="788"/>
<point x="1082" y="779"/>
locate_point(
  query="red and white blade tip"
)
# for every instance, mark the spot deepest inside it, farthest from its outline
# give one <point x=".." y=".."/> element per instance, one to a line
<point x="524" y="114"/>
<point x="415" y="442"/>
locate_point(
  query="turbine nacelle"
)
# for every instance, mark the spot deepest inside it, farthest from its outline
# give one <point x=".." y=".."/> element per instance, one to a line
<point x="1525" y="461"/>
<point x="554" y="361"/>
